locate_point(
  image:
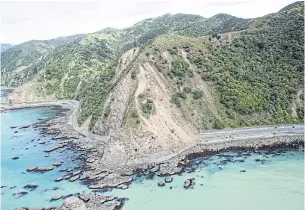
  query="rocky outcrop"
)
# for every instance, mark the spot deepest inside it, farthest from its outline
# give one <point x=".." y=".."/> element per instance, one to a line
<point x="73" y="203"/>
<point x="111" y="182"/>
<point x="74" y="178"/>
<point x="57" y="164"/>
<point x="57" y="146"/>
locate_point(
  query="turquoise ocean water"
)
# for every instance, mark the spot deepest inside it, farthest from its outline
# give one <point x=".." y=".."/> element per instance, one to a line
<point x="25" y="145"/>
<point x="270" y="181"/>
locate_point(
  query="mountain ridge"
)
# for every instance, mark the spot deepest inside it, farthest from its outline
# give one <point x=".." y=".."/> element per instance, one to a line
<point x="170" y="77"/>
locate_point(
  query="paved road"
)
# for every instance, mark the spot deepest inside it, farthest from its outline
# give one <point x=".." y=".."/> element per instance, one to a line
<point x="257" y="132"/>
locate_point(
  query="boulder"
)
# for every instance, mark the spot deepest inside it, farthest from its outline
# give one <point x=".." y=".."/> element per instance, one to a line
<point x="76" y="173"/>
<point x="187" y="183"/>
<point x="74" y="178"/>
<point x="67" y="176"/>
<point x="161" y="184"/>
<point x="58" y="179"/>
<point x="123" y="186"/>
<point x="57" y="164"/>
<point x="168" y="179"/>
<point x="15" y="158"/>
<point x="155" y="169"/>
<point x="13" y="127"/>
<point x="73" y="203"/>
<point x="84" y="198"/>
<point x="63" y="170"/>
<point x="57" y="197"/>
<point x="33" y="168"/>
<point x="45" y="168"/>
<point x="243" y="170"/>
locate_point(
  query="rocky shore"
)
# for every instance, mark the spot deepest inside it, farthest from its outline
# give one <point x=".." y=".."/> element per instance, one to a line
<point x="114" y="173"/>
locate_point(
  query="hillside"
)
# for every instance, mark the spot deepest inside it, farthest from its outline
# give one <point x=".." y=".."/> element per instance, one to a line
<point x="157" y="84"/>
<point x="5" y="47"/>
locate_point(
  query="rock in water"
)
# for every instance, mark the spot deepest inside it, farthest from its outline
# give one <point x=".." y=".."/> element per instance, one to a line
<point x="31" y="186"/>
<point x="15" y="158"/>
<point x="73" y="203"/>
<point x="57" y="164"/>
<point x="74" y="178"/>
<point x="168" y="179"/>
<point x="31" y="169"/>
<point x="58" y="179"/>
<point x="187" y="183"/>
<point x="161" y="184"/>
<point x="57" y="197"/>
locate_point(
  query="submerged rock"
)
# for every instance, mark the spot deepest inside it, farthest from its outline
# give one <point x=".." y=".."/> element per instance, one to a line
<point x="57" y="197"/>
<point x="24" y="126"/>
<point x="13" y="127"/>
<point x="242" y="170"/>
<point x="20" y="193"/>
<point x="15" y="158"/>
<point x="30" y="186"/>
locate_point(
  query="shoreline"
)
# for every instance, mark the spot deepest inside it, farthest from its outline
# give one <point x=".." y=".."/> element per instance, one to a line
<point x="100" y="179"/>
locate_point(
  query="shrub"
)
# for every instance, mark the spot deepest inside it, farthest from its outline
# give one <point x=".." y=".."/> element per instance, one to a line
<point x="147" y="107"/>
<point x="187" y="89"/>
<point x="197" y="94"/>
<point x="218" y="124"/>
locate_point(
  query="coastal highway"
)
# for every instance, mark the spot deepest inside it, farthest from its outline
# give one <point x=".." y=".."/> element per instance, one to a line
<point x="213" y="136"/>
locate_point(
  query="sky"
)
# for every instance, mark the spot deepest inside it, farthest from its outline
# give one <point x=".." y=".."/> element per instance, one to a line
<point x="21" y="21"/>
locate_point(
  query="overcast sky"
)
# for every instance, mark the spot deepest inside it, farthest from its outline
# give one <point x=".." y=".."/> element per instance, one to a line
<point x="23" y="21"/>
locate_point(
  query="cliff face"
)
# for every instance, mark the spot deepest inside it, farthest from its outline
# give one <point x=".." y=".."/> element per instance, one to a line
<point x="157" y="84"/>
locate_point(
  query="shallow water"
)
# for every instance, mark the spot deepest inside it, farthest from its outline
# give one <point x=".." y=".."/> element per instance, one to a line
<point x="276" y="183"/>
<point x="14" y="173"/>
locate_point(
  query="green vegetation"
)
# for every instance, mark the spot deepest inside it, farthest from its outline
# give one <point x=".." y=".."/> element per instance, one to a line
<point x="197" y="94"/>
<point x="254" y="68"/>
<point x="179" y="68"/>
<point x="148" y="107"/>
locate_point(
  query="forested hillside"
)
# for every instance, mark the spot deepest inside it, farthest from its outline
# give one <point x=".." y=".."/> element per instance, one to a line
<point x="218" y="72"/>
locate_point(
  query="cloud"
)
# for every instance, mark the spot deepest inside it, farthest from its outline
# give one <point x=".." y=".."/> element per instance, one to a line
<point x="22" y="21"/>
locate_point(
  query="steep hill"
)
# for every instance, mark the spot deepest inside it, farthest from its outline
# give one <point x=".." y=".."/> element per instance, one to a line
<point x="157" y="84"/>
<point x="5" y="47"/>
